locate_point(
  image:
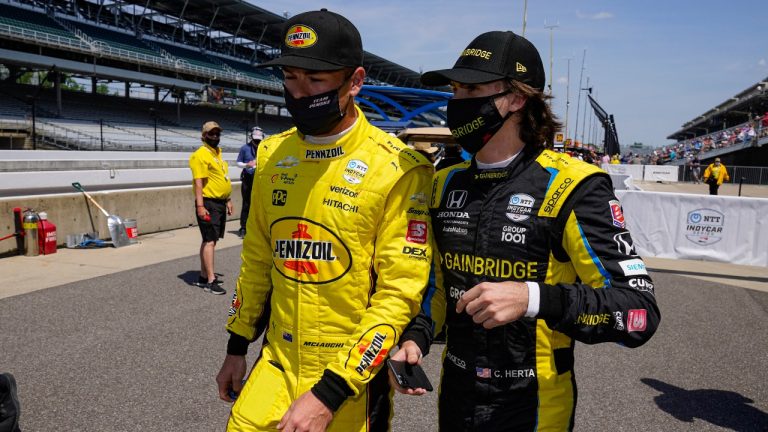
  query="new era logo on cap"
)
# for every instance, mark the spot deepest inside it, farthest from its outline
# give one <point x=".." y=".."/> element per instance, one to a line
<point x="520" y="68"/>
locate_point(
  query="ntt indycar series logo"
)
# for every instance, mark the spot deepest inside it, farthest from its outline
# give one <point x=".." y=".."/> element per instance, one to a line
<point x="704" y="226"/>
<point x="520" y="207"/>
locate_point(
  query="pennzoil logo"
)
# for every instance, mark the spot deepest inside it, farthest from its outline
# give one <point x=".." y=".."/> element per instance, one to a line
<point x="372" y="349"/>
<point x="300" y="36"/>
<point x="308" y="252"/>
<point x="520" y="68"/>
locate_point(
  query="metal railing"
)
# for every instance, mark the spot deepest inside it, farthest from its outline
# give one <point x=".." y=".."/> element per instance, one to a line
<point x="751" y="175"/>
<point x="119" y="53"/>
<point x="43" y="38"/>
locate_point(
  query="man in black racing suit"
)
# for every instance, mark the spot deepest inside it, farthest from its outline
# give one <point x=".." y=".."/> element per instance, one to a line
<point x="533" y="253"/>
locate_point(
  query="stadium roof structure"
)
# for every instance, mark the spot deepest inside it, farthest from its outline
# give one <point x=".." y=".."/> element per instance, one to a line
<point x="742" y="107"/>
<point x="242" y="19"/>
<point x="406" y="104"/>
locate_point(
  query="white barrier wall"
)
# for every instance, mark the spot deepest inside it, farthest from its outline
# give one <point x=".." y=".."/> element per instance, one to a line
<point x="665" y="173"/>
<point x="698" y="227"/>
<point x="634" y="171"/>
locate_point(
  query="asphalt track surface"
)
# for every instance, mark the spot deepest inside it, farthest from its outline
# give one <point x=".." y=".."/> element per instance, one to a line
<point x="138" y="351"/>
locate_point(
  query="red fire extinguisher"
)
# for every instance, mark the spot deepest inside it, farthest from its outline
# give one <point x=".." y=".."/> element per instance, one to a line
<point x="46" y="235"/>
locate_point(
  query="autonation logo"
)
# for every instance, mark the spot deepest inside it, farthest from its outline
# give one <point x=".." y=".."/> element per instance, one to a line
<point x="704" y="226"/>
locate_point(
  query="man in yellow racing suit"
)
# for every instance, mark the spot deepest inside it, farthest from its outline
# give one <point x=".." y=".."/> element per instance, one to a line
<point x="337" y="254"/>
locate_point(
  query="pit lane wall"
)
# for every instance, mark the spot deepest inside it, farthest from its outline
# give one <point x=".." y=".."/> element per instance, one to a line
<point x="697" y="227"/>
<point x="155" y="209"/>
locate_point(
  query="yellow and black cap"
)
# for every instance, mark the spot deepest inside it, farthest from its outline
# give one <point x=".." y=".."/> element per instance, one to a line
<point x="319" y="40"/>
<point x="493" y="56"/>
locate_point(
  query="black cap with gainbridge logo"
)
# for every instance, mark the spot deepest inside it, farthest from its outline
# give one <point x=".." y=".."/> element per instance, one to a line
<point x="493" y="56"/>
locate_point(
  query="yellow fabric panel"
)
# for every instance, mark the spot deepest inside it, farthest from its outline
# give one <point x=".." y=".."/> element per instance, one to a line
<point x="556" y="393"/>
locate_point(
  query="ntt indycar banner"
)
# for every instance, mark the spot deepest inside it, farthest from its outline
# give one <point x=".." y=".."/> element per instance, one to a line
<point x="697" y="227"/>
<point x="665" y="173"/>
<point x="634" y="171"/>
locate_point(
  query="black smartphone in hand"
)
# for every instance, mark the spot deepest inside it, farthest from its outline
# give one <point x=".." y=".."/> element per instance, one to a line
<point x="409" y="375"/>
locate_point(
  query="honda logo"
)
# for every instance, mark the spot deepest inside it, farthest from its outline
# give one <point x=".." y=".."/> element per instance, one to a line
<point x="624" y="244"/>
<point x="456" y="199"/>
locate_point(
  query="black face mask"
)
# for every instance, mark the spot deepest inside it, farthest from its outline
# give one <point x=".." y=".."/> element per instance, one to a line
<point x="474" y="121"/>
<point x="213" y="142"/>
<point x="315" y="115"/>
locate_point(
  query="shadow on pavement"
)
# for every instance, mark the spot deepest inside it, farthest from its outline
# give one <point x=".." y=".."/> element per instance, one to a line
<point x="189" y="276"/>
<point x="722" y="408"/>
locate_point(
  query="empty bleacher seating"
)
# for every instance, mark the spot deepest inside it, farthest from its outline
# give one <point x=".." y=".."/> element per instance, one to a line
<point x="30" y="20"/>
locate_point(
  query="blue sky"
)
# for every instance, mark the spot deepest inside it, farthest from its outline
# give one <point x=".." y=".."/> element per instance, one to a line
<point x="653" y="64"/>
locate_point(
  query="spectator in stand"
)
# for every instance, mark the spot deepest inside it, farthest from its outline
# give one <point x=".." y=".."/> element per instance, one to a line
<point x="606" y="159"/>
<point x="615" y="160"/>
<point x="750" y="133"/>
<point x="715" y="175"/>
<point x="694" y="166"/>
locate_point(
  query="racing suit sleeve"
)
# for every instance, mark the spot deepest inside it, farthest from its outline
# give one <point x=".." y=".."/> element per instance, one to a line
<point x="250" y="301"/>
<point x="401" y="264"/>
<point x="613" y="298"/>
<point x="424" y="326"/>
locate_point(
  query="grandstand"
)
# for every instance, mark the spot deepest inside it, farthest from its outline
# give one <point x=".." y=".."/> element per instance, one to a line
<point x="736" y="131"/>
<point x="143" y="73"/>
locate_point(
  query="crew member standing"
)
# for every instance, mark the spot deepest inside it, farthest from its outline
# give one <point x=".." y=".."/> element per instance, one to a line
<point x="212" y="187"/>
<point x="246" y="160"/>
<point x="715" y="175"/>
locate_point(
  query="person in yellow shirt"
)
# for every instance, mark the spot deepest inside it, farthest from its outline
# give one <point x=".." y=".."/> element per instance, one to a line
<point x="212" y="187"/>
<point x="715" y="175"/>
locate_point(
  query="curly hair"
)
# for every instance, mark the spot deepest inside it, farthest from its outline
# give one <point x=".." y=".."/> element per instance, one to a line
<point x="538" y="124"/>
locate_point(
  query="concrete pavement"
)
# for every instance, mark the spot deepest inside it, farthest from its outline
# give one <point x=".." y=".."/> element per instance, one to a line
<point x="23" y="274"/>
<point x="139" y="350"/>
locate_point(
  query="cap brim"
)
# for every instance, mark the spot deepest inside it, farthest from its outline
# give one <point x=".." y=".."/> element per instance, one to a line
<point x="301" y="62"/>
<point x="465" y="76"/>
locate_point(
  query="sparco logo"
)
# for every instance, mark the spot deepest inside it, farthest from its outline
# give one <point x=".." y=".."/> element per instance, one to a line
<point x="557" y="194"/>
<point x="456" y="199"/>
<point x="704" y="226"/>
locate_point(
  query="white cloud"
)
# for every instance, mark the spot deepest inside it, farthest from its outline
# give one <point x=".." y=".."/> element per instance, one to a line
<point x="762" y="63"/>
<point x="595" y="16"/>
<point x="562" y="80"/>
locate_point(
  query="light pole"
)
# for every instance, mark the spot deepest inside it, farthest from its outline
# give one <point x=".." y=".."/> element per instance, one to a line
<point x="578" y="99"/>
<point x="551" y="51"/>
<point x="567" y="97"/>
<point x="584" y="119"/>
<point x="525" y="16"/>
